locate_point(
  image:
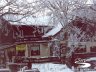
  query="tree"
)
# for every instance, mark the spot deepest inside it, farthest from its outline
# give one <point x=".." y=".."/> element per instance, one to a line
<point x="18" y="7"/>
<point x="65" y="11"/>
<point x="62" y="10"/>
<point x="71" y="12"/>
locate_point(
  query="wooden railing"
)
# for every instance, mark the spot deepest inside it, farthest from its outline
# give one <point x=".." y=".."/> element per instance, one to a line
<point x="40" y="60"/>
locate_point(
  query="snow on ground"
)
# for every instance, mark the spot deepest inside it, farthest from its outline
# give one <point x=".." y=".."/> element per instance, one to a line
<point x="4" y="70"/>
<point x="50" y="67"/>
<point x="90" y="59"/>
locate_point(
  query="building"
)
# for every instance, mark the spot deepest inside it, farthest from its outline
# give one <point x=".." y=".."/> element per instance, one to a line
<point x="24" y="41"/>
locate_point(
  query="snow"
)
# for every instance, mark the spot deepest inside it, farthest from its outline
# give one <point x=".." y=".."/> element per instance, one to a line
<point x="90" y="71"/>
<point x="55" y="30"/>
<point x="90" y="59"/>
<point x="89" y="2"/>
<point x="50" y="67"/>
<point x="5" y="69"/>
<point x="83" y="65"/>
<point x="28" y="20"/>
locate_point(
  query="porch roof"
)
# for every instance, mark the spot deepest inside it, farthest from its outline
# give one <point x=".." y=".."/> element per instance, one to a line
<point x="54" y="31"/>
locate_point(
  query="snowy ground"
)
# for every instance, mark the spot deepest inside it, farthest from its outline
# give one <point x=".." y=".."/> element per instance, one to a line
<point x="50" y="67"/>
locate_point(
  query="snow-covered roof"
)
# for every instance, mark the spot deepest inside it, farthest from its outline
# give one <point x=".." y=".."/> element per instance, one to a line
<point x="28" y="20"/>
<point x="54" y="31"/>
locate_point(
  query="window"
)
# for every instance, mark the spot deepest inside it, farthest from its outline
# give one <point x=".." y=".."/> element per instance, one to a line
<point x="93" y="49"/>
<point x="35" y="49"/>
<point x="63" y="49"/>
<point x="2" y="56"/>
<point x="81" y="49"/>
<point x="20" y="49"/>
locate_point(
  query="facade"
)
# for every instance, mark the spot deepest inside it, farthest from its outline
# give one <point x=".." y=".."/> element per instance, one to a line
<point x="23" y="41"/>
